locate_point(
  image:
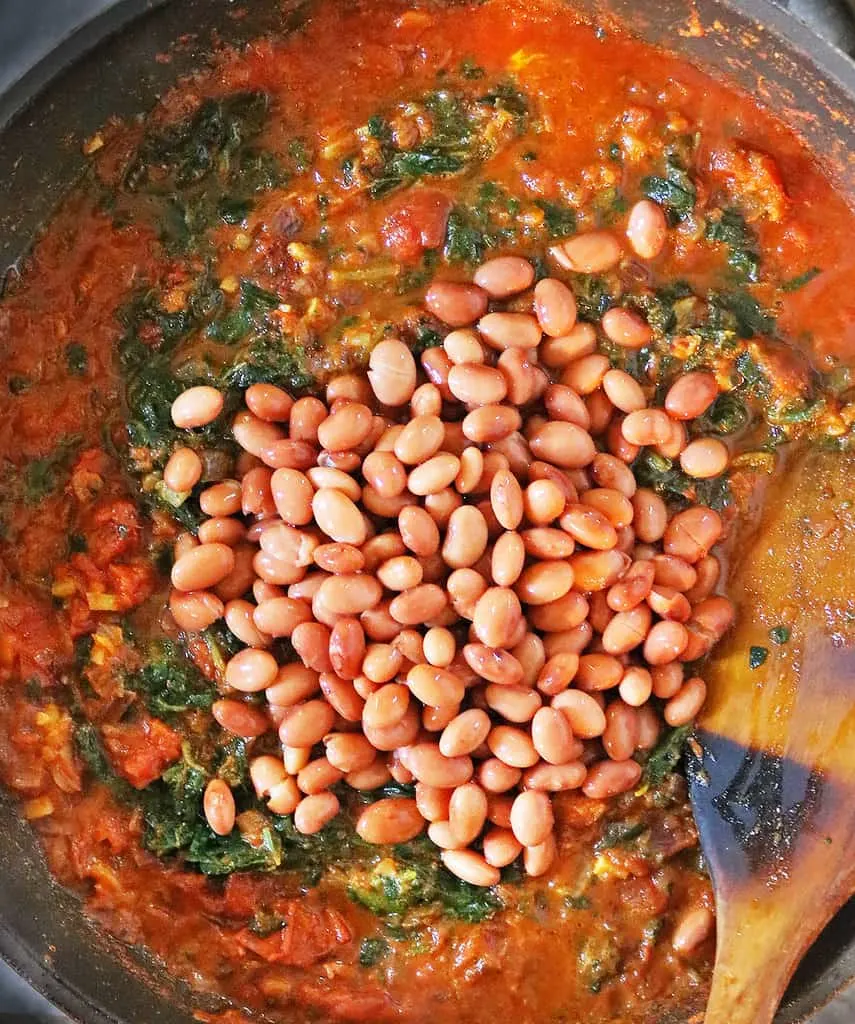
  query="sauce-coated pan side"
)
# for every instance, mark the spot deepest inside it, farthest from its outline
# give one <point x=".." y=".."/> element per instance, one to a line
<point x="109" y="68"/>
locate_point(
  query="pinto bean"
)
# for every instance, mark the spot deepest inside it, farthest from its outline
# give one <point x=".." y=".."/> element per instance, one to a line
<point x="464" y="733"/>
<point x="392" y="820"/>
<point x="647" y="229"/>
<point x="563" y="444"/>
<point x="509" y="330"/>
<point x="554" y="307"/>
<point x="496" y="616"/>
<point x="203" y="567"/>
<point x="626" y="328"/>
<point x="504" y="276"/>
<point x="315" y="811"/>
<point x="456" y="304"/>
<point x="592" y="252"/>
<point x="610" y="778"/>
<point x="392" y="372"/>
<point x="196" y="407"/>
<point x="219" y="806"/>
<point x="691" y="395"/>
<point x="471" y="867"/>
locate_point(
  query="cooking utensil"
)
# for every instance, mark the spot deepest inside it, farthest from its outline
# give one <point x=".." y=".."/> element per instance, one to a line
<point x="108" y="67"/>
<point x="773" y="790"/>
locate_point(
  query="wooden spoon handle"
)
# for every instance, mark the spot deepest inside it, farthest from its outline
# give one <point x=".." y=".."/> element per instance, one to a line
<point x="766" y="924"/>
<point x="761" y="938"/>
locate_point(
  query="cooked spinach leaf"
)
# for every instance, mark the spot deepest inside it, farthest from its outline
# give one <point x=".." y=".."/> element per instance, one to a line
<point x="665" y="756"/>
<point x="169" y="684"/>
<point x="674" y="191"/>
<point x="729" y="228"/>
<point x="43" y="476"/>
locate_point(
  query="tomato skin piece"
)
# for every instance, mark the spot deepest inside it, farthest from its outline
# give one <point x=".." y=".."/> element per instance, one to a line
<point x="417" y="223"/>
<point x="142" y="750"/>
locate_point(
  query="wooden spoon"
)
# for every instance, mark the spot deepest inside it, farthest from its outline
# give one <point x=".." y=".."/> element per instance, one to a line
<point x="772" y="775"/>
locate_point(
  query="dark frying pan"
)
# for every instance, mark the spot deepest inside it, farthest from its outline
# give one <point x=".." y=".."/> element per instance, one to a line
<point x="108" y="68"/>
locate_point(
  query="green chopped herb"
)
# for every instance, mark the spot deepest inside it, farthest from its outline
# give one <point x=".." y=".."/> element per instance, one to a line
<point x="665" y="756"/>
<point x="19" y="385"/>
<point x="800" y="280"/>
<point x="675" y="191"/>
<point x="469" y="69"/>
<point x="560" y="220"/>
<point x="76" y="358"/>
<point x="780" y="634"/>
<point x="757" y="656"/>
<point x="372" y="951"/>
<point x="43" y="476"/>
<point x="729" y="228"/>
<point x="170" y="684"/>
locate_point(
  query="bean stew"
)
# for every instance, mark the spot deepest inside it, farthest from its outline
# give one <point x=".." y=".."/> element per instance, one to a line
<point x="377" y="422"/>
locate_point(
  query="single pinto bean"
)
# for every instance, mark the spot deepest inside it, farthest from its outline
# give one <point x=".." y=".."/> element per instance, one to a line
<point x="626" y="328"/>
<point x="647" y="229"/>
<point x="509" y="330"/>
<point x="463" y="346"/>
<point x="429" y="765"/>
<point x="686" y="703"/>
<point x="456" y="304"/>
<point x="467" y="812"/>
<point x="646" y="427"/>
<point x="591" y="253"/>
<point x="421" y="438"/>
<point x="496" y="616"/>
<point x="219" y="806"/>
<point x="196" y="407"/>
<point x="196" y="610"/>
<point x="476" y="384"/>
<point x="239" y="718"/>
<point x="268" y="402"/>
<point x="317" y="776"/>
<point x="435" y="687"/>
<point x="313" y="812"/>
<point x="538" y="859"/>
<point x="707" y="457"/>
<point x="471" y="867"/>
<point x="183" y="470"/>
<point x="464" y="733"/>
<point x="693" y="929"/>
<point x="501" y="847"/>
<point x="203" y="567"/>
<point x="504" y="276"/>
<point x="580" y="341"/>
<point x="563" y="444"/>
<point x="418" y="605"/>
<point x="554" y="307"/>
<point x="610" y="778"/>
<point x="348" y="751"/>
<point x="392" y="372"/>
<point x="393" y="820"/>
<point x="487" y="424"/>
<point x="624" y="391"/>
<point x="582" y="711"/>
<point x="691" y="395"/>
<point x="512" y="746"/>
<point x="692" y="533"/>
<point x="532" y="819"/>
<point x="338" y="516"/>
<point x="553" y="738"/>
<point x="306" y="724"/>
<point x="555" y="778"/>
